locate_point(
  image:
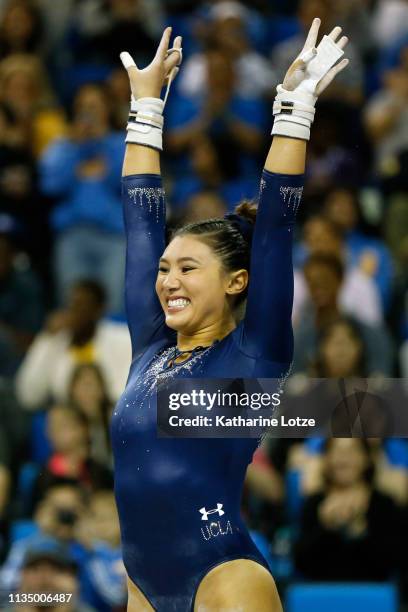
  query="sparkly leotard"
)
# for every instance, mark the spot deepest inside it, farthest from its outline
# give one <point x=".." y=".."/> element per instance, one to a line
<point x="161" y="484"/>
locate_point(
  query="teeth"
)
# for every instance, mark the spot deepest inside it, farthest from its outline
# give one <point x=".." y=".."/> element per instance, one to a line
<point x="179" y="303"/>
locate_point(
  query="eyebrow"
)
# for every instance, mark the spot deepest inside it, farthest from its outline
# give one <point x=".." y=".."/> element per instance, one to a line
<point x="164" y="260"/>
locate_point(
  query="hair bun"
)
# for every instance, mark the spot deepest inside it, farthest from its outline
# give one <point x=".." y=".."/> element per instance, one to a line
<point x="243" y="219"/>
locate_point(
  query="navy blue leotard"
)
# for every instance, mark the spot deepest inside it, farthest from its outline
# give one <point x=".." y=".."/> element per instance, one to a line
<point x="161" y="484"/>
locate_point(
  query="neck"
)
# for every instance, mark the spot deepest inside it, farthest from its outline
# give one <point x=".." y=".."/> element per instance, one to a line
<point x="326" y="315"/>
<point x="206" y="336"/>
<point x="359" y="485"/>
<point x="81" y="337"/>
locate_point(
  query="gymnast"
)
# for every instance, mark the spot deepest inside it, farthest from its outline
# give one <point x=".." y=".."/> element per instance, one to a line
<point x="204" y="305"/>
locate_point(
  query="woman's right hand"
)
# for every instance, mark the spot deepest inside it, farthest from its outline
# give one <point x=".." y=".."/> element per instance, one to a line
<point x="148" y="82"/>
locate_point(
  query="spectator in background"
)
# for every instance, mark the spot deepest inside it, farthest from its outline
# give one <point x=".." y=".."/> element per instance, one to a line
<point x="203" y="205"/>
<point x="324" y="277"/>
<point x="341" y="351"/>
<point x="25" y="91"/>
<point x="263" y="499"/>
<point x="55" y="522"/>
<point x="389" y="21"/>
<point x="20" y="28"/>
<point x="19" y="195"/>
<point x="352" y="518"/>
<point x="69" y="437"/>
<point x="82" y="173"/>
<point x="21" y="303"/>
<point x="331" y="159"/>
<point x="13" y="438"/>
<point x="349" y="87"/>
<point x="359" y="296"/>
<point x="226" y="29"/>
<point x="119" y="92"/>
<point x="103" y="575"/>
<point x="70" y="337"/>
<point x="236" y="122"/>
<point x="88" y="393"/>
<point x="369" y="254"/>
<point x="214" y="167"/>
<point x="386" y="119"/>
<point x="49" y="569"/>
<point x="105" y="28"/>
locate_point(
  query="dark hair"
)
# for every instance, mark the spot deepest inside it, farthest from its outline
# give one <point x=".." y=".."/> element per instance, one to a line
<point x="230" y="238"/>
<point x="330" y="261"/>
<point x="327" y="222"/>
<point x="93" y="287"/>
<point x="320" y="368"/>
<point x="35" y="37"/>
<point x="105" y="405"/>
<point x="369" y="472"/>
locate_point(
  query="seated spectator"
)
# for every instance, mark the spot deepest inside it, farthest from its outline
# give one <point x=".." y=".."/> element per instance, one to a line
<point x="19" y="288"/>
<point x="386" y="120"/>
<point x="344" y="406"/>
<point x="55" y="522"/>
<point x="201" y="206"/>
<point x="389" y="20"/>
<point x="48" y="569"/>
<point x="103" y="575"/>
<point x="332" y="159"/>
<point x="369" y="254"/>
<point x="263" y="493"/>
<point x="359" y="296"/>
<point x="214" y="167"/>
<point x="324" y="277"/>
<point x="25" y="90"/>
<point x="239" y="123"/>
<point x="13" y="438"/>
<point x="70" y="337"/>
<point x="83" y="174"/>
<point x="226" y="28"/>
<point x="349" y="530"/>
<point x="69" y="438"/>
<point x="20" y="28"/>
<point x="19" y="195"/>
<point x="356" y="19"/>
<point x="104" y="29"/>
<point x="390" y="459"/>
<point x="349" y="86"/>
<point x="119" y="93"/>
<point x="88" y="393"/>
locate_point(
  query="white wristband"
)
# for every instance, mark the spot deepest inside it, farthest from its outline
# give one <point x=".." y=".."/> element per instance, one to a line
<point x="145" y="125"/>
<point x="294" y="113"/>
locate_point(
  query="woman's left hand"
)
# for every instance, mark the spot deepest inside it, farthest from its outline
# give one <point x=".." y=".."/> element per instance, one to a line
<point x="307" y="73"/>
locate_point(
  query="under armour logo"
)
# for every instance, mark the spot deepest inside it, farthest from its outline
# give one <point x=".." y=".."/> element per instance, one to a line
<point x="218" y="510"/>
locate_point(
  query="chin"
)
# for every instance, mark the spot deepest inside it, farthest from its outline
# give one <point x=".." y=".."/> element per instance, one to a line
<point x="177" y="322"/>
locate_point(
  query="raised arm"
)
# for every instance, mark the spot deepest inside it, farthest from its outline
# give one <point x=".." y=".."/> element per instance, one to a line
<point x="143" y="195"/>
<point x="267" y="323"/>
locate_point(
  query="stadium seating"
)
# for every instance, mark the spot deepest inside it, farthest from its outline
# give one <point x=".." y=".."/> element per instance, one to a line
<point x="340" y="597"/>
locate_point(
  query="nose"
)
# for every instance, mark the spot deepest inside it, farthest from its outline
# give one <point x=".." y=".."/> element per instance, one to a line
<point x="171" y="280"/>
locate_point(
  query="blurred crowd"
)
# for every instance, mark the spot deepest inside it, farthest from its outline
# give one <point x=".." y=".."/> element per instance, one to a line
<point x="319" y="510"/>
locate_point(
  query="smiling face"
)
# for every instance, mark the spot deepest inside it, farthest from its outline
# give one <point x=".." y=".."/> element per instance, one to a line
<point x="194" y="290"/>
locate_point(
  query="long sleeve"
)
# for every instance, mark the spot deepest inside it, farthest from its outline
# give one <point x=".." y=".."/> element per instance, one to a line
<point x="144" y="209"/>
<point x="267" y="323"/>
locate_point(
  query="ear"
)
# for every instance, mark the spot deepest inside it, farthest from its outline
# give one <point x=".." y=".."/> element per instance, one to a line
<point x="237" y="282"/>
